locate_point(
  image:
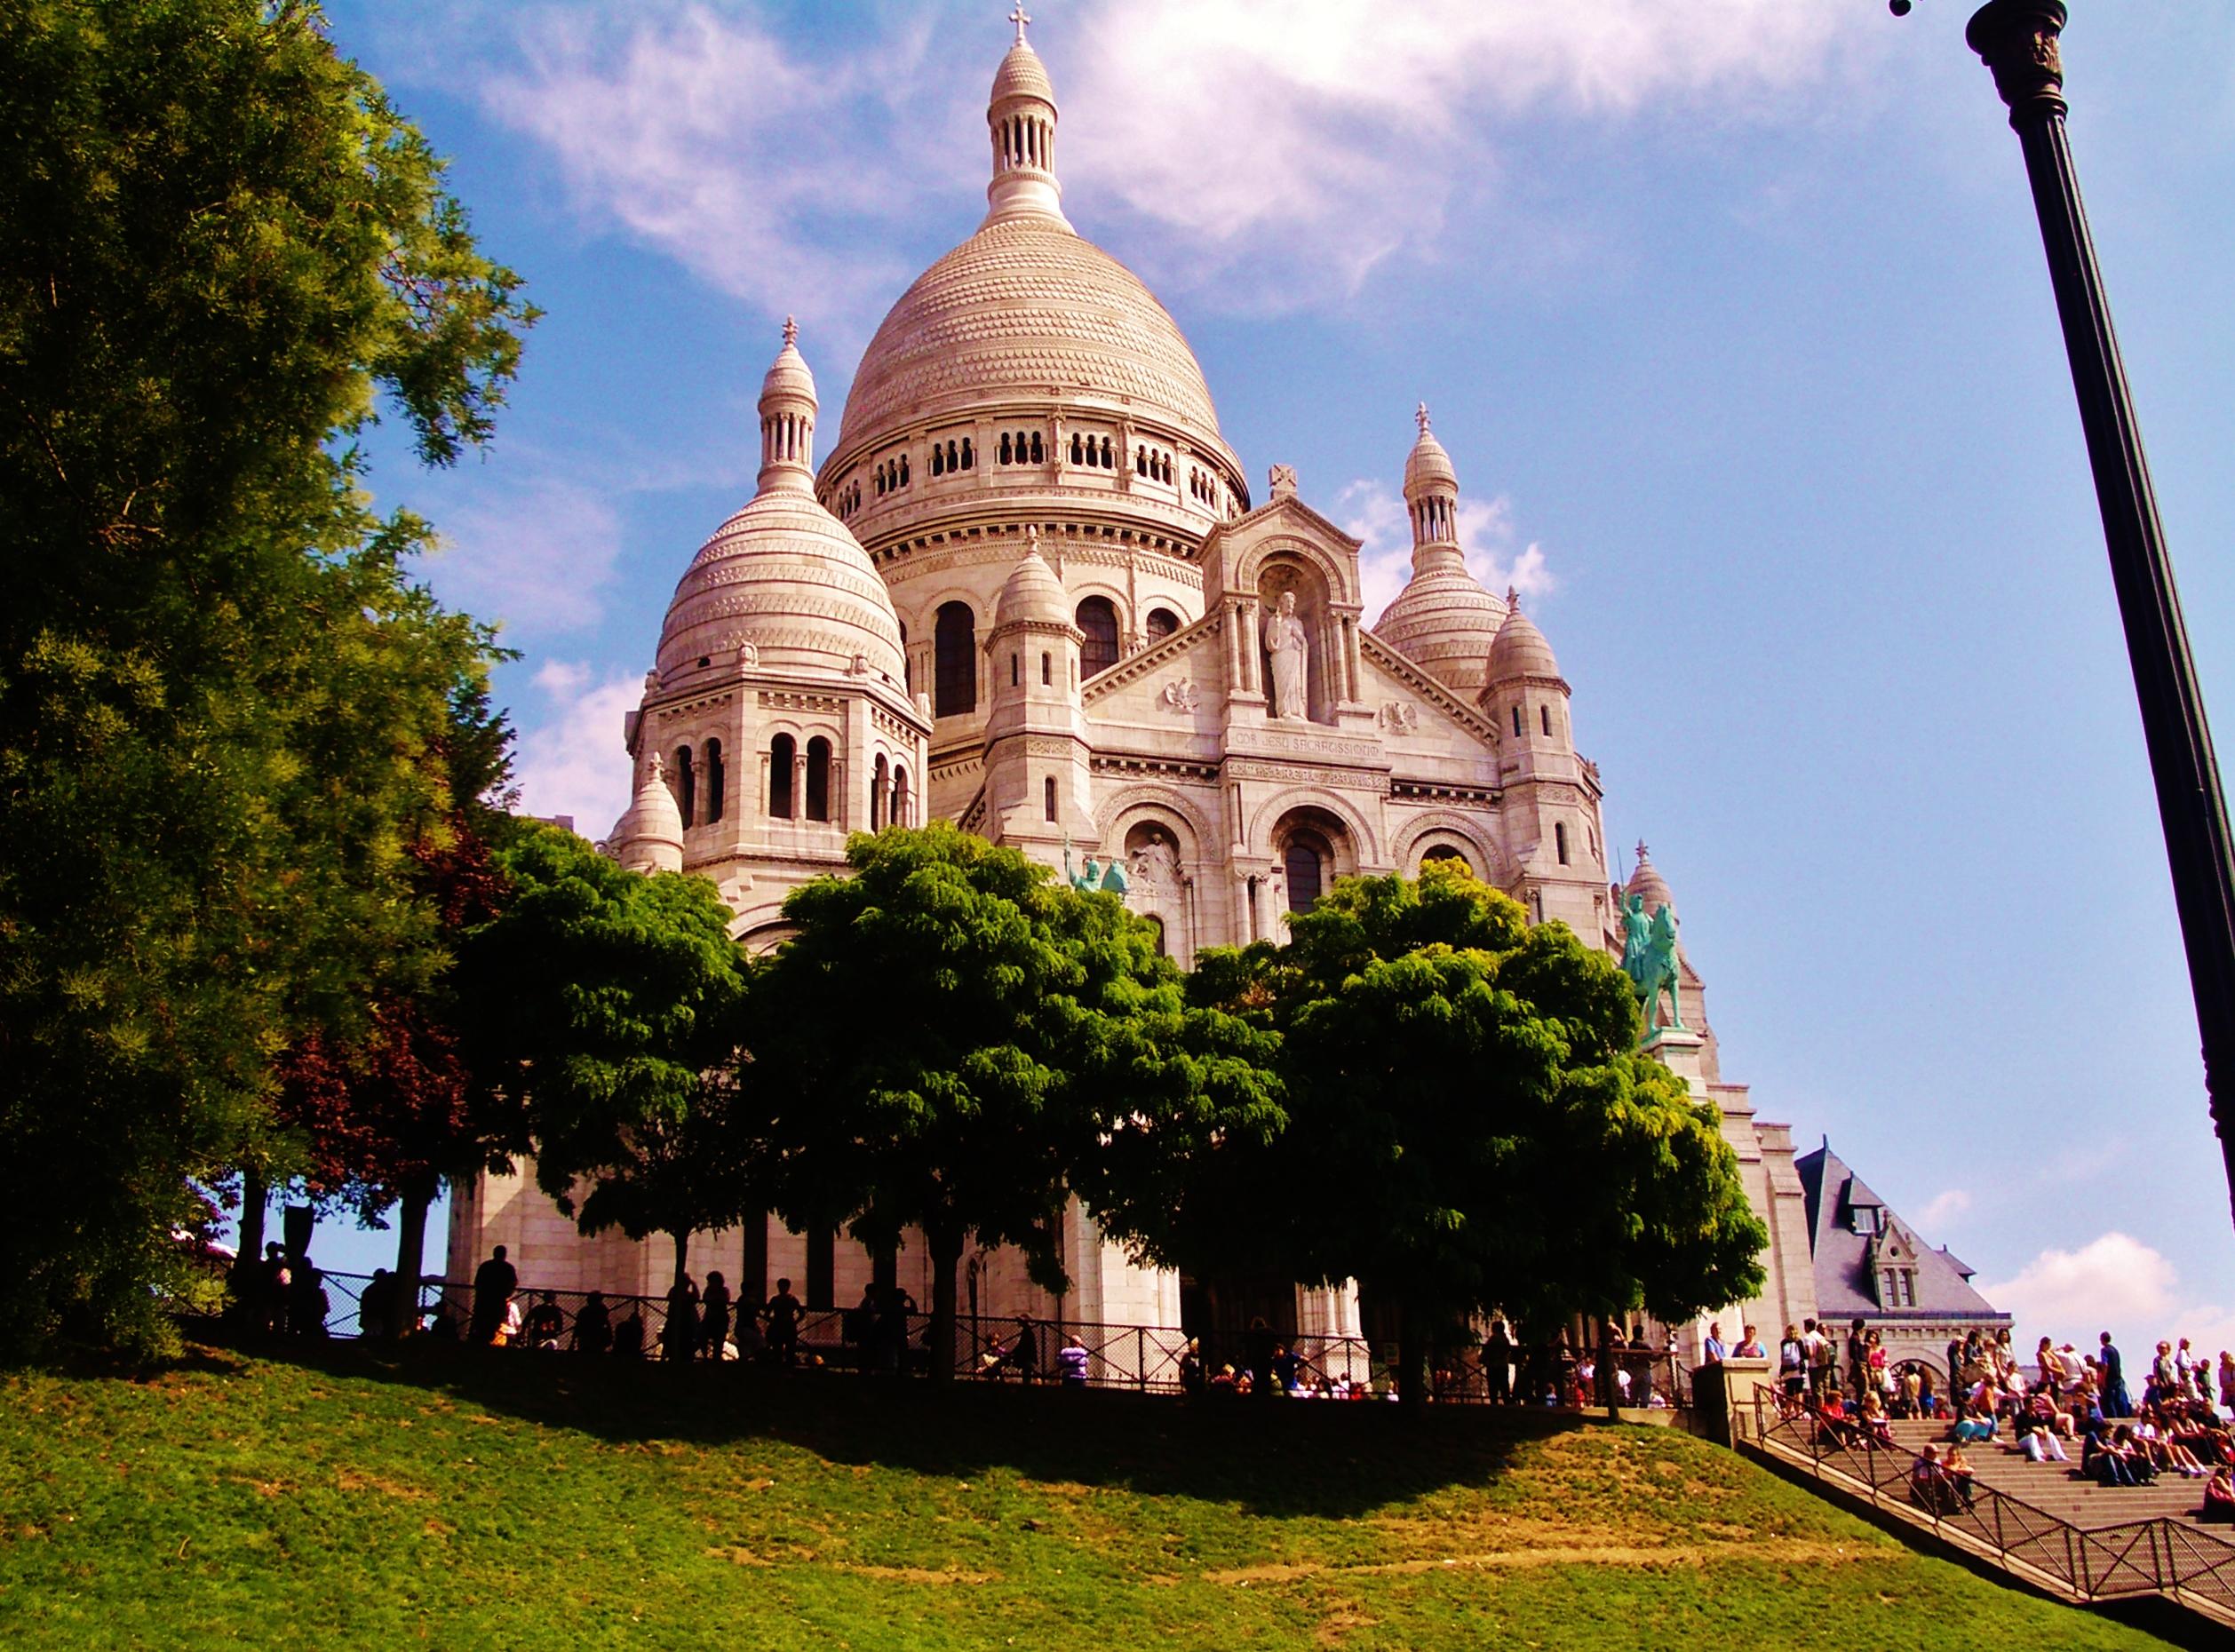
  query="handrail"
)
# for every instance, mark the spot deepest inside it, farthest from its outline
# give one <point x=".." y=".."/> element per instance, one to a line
<point x="2091" y="1563"/>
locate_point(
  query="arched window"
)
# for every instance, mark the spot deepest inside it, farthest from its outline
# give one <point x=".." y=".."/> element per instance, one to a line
<point x="1047" y="670"/>
<point x="955" y="661"/>
<point x="1037" y="459"/>
<point x="782" y="754"/>
<point x="1048" y="795"/>
<point x="1516" y="720"/>
<point x="936" y="462"/>
<point x="1157" y="923"/>
<point x="1307" y="860"/>
<point x="1005" y="447"/>
<point x="1162" y="623"/>
<point x="881" y="482"/>
<point x="1077" y="447"/>
<point x="715" y="781"/>
<point x="1141" y="461"/>
<point x="951" y="457"/>
<point x="1016" y="674"/>
<point x="876" y="794"/>
<point x="969" y="458"/>
<point x="1109" y="462"/>
<point x="900" y="796"/>
<point x="1544" y="715"/>
<point x="1560" y="840"/>
<point x="1444" y="852"/>
<point x="686" y="787"/>
<point x="1097" y="617"/>
<point x="818" y="779"/>
<point x="903" y="470"/>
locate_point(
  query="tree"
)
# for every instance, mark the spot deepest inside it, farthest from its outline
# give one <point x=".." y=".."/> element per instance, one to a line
<point x="1463" y="1088"/>
<point x="951" y="1044"/>
<point x="606" y="1009"/>
<point x="218" y="687"/>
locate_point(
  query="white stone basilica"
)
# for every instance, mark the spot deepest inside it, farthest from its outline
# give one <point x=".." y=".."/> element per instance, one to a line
<point x="1030" y="591"/>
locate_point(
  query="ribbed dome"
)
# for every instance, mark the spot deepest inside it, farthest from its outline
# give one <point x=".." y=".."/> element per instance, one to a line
<point x="1023" y="307"/>
<point x="1031" y="595"/>
<point x="1648" y="881"/>
<point x="1520" y="650"/>
<point x="1444" y="623"/>
<point x="648" y="837"/>
<point x="784" y="576"/>
<point x="1022" y="74"/>
<point x="1428" y="465"/>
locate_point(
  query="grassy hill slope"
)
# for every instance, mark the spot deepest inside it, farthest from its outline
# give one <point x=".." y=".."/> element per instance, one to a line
<point x="369" y="1498"/>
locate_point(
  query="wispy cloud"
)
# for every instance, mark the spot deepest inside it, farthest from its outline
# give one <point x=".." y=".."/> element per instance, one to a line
<point x="1270" y="154"/>
<point x="571" y="759"/>
<point x="536" y="554"/>
<point x="1944" y="1208"/>
<point x="1368" y="508"/>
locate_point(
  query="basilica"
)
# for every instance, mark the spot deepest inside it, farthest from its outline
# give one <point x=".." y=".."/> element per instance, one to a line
<point x="1031" y="591"/>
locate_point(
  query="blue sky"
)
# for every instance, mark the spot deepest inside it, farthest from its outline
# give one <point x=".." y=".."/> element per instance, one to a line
<point x="1734" y="319"/>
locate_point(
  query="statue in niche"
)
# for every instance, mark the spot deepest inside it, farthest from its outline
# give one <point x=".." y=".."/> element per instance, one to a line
<point x="1156" y="864"/>
<point x="1285" y="639"/>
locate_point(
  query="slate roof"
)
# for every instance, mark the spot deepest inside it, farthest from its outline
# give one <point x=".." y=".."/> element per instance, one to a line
<point x="1846" y="1263"/>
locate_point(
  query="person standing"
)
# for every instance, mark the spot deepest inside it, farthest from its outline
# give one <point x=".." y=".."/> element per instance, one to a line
<point x="679" y="1336"/>
<point x="1711" y="1351"/>
<point x="494" y="1283"/>
<point x="714" y="1309"/>
<point x="2115" y="1400"/>
<point x="784" y="1324"/>
<point x="1497" y="1362"/>
<point x="592" y="1325"/>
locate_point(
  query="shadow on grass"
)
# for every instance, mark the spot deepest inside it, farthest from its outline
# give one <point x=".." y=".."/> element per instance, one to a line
<point x="1277" y="1457"/>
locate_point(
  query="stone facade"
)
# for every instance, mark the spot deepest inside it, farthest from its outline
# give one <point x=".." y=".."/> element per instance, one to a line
<point x="1031" y="590"/>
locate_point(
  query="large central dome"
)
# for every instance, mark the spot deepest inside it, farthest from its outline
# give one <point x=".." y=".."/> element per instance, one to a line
<point x="1025" y="306"/>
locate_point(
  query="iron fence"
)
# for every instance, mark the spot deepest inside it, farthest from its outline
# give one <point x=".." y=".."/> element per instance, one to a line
<point x="1145" y="1358"/>
<point x="2159" y="1555"/>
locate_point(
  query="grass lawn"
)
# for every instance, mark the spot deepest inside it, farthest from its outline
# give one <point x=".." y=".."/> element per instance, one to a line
<point x="380" y="1498"/>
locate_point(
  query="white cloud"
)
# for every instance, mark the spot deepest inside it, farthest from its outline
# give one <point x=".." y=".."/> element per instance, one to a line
<point x="536" y="556"/>
<point x="571" y="760"/>
<point x="705" y="137"/>
<point x="1943" y="1208"/>
<point x="1369" y="510"/>
<point x="1272" y="151"/>
<point x="2113" y="1283"/>
<point x="1313" y="139"/>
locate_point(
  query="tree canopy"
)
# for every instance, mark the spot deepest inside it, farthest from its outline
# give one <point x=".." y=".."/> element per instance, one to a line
<point x="950" y="1041"/>
<point x="1470" y="1127"/>
<point x="222" y="699"/>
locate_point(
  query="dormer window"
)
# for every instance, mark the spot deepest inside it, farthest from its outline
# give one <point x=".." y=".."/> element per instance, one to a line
<point x="1869" y="1221"/>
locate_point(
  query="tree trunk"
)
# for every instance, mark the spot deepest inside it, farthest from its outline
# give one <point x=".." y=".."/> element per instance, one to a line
<point x="1411" y="1357"/>
<point x="256" y="1193"/>
<point x="946" y="1263"/>
<point x="683" y="1255"/>
<point x="404" y="1299"/>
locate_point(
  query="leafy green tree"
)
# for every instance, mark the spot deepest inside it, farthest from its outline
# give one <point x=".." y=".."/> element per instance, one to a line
<point x="217" y="688"/>
<point x="952" y="1044"/>
<point x="606" y="1009"/>
<point x="1470" y="1126"/>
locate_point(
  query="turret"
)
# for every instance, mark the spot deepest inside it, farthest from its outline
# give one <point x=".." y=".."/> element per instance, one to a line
<point x="1443" y="620"/>
<point x="648" y="837"/>
<point x="1036" y="773"/>
<point x="1551" y="795"/>
<point x="1020" y="115"/>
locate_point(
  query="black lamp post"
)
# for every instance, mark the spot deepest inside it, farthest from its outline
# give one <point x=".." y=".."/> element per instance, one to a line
<point x="2019" y="41"/>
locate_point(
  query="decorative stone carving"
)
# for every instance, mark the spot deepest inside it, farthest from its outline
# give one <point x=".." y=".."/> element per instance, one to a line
<point x="1283" y="481"/>
<point x="1400" y="717"/>
<point x="1156" y="866"/>
<point x="1285" y="640"/>
<point x="651" y="682"/>
<point x="1180" y="698"/>
<point x="749" y="654"/>
<point x="858" y="666"/>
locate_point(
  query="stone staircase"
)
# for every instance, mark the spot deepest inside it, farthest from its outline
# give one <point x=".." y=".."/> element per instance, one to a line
<point x="2056" y="1488"/>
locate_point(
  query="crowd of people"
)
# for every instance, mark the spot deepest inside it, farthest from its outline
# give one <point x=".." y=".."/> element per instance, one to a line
<point x="2063" y="1406"/>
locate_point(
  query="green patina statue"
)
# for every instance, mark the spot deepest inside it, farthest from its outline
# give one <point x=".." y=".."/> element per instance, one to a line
<point x="1649" y="958"/>
<point x="1111" y="879"/>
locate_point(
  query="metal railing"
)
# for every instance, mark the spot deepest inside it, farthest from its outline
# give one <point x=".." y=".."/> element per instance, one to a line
<point x="2159" y="1555"/>
<point x="1145" y="1358"/>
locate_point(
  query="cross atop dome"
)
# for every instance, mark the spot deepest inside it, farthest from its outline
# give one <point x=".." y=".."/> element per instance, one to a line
<point x="791" y="330"/>
<point x="1419" y="417"/>
<point x="1019" y="16"/>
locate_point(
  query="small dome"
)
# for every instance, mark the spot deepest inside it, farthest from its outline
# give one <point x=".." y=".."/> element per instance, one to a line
<point x="1648" y="881"/>
<point x="648" y="837"/>
<point x="788" y="373"/>
<point x="1031" y="595"/>
<point x="1446" y="623"/>
<point x="1520" y="650"/>
<point x="1022" y="74"/>
<point x="1428" y="465"/>
<point x="783" y="574"/>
